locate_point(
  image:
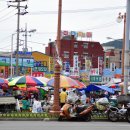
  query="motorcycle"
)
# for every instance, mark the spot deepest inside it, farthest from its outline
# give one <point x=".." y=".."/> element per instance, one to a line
<point x="115" y="113"/>
<point x="74" y="112"/>
<point x="128" y="112"/>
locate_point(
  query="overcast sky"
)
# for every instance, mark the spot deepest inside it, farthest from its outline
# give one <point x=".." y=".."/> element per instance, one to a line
<point x="97" y="16"/>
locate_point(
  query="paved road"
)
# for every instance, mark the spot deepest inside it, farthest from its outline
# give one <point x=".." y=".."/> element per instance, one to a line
<point x="54" y="125"/>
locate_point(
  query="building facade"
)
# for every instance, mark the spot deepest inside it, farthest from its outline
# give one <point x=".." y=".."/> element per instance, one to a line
<point x="25" y="63"/>
<point x="29" y="63"/>
<point x="82" y="51"/>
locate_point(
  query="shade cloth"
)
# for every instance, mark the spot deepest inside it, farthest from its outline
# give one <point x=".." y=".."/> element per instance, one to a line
<point x="93" y="87"/>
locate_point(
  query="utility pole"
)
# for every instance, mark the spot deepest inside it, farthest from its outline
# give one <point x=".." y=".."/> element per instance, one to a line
<point x="26" y="31"/>
<point x="18" y="26"/>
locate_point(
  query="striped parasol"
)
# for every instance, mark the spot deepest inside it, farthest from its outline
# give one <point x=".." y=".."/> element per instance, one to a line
<point x="65" y="82"/>
<point x="26" y="81"/>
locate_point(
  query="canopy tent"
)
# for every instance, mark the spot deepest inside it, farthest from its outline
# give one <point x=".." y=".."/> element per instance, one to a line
<point x="93" y="87"/>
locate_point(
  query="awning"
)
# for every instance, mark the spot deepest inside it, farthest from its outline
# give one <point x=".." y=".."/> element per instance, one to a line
<point x="93" y="87"/>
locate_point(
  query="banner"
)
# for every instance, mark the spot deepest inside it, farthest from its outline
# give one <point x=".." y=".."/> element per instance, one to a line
<point x="94" y="71"/>
<point x="67" y="67"/>
<point x="100" y="65"/>
<point x="76" y="34"/>
<point x="89" y="34"/>
<point x="75" y="65"/>
<point x="112" y="66"/>
<point x="88" y="64"/>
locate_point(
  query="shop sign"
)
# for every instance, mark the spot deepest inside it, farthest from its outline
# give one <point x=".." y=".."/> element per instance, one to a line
<point x="38" y="74"/>
<point x="14" y="61"/>
<point x="40" y="69"/>
<point x="76" y="34"/>
<point x="100" y="65"/>
<point x="38" y="64"/>
<point x="93" y="71"/>
<point x="24" y="53"/>
<point x="95" y="78"/>
<point x="4" y="61"/>
<point x="67" y="67"/>
<point x="28" y="62"/>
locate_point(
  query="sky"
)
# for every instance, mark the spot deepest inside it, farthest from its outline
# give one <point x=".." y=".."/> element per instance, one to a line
<point x="96" y="16"/>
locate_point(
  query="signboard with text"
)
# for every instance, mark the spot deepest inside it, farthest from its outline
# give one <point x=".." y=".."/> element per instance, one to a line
<point x="28" y="62"/>
<point x="76" y="65"/>
<point x="95" y="78"/>
<point x="38" y="74"/>
<point x="93" y="71"/>
<point x="40" y="69"/>
<point x="100" y="65"/>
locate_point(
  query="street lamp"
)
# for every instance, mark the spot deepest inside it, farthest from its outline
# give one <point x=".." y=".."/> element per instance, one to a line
<point x="119" y="19"/>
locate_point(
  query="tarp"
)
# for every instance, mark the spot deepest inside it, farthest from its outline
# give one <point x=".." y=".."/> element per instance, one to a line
<point x="93" y="87"/>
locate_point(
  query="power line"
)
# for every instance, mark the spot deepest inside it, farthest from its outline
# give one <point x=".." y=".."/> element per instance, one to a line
<point x="7" y="14"/>
<point x="101" y="26"/>
<point x="78" y="10"/>
<point x="3" y="9"/>
<point x="7" y="18"/>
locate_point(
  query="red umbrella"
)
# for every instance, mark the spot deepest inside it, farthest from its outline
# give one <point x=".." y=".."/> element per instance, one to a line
<point x="31" y="89"/>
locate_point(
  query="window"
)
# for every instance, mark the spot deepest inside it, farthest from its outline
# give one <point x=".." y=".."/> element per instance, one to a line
<point x="120" y="54"/>
<point x="92" y="45"/>
<point x="85" y="45"/>
<point x="66" y="54"/>
<point x="75" y="44"/>
<point x="85" y="54"/>
<point x="44" y="63"/>
<point x="76" y="53"/>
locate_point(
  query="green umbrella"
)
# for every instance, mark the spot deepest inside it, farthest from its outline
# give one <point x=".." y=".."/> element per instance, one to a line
<point x="26" y="81"/>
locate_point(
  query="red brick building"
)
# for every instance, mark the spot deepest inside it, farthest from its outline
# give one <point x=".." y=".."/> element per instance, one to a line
<point x="84" y="49"/>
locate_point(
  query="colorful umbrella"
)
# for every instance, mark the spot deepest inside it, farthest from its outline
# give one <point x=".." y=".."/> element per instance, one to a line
<point x="31" y="89"/>
<point x="80" y="85"/>
<point x="26" y="81"/>
<point x="65" y="82"/>
<point x="43" y="79"/>
<point x="3" y="83"/>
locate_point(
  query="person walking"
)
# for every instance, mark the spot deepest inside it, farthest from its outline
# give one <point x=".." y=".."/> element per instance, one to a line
<point x="63" y="97"/>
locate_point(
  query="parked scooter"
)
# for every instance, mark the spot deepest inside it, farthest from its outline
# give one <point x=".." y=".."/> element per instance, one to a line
<point x="74" y="112"/>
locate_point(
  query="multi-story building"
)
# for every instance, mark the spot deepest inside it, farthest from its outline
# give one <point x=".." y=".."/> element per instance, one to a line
<point x="113" y="56"/>
<point x="70" y="47"/>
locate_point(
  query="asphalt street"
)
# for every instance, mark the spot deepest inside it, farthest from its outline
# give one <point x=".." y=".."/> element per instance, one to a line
<point x="55" y="125"/>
